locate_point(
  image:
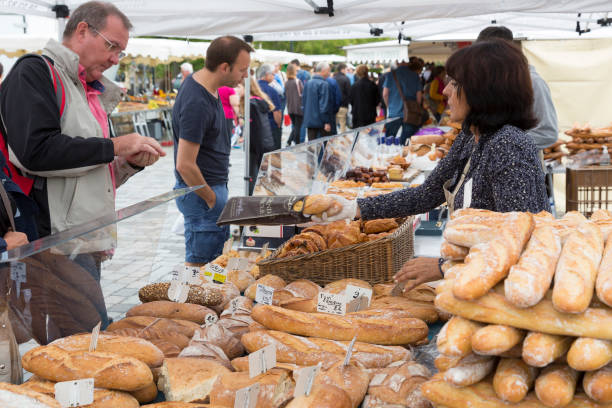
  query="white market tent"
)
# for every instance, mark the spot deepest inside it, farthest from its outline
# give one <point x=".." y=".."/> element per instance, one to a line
<point x="383" y="51"/>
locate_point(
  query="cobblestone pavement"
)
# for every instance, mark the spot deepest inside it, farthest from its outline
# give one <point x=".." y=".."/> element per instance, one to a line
<point x="147" y="250"/>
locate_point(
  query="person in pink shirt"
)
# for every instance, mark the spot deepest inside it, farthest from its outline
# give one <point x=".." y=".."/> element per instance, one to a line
<point x="231" y="103"/>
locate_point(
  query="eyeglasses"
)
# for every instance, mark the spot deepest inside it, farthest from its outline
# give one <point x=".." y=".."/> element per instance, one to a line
<point x="110" y="45"/>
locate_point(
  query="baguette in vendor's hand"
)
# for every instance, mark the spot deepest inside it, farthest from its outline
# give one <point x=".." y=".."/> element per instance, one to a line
<point x="326" y="208"/>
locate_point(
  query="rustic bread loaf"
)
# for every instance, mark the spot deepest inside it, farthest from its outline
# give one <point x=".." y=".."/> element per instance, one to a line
<point x="172" y="310"/>
<point x="556" y="384"/>
<point x="183" y="327"/>
<point x="205" y="296"/>
<point x="275" y="388"/>
<point x="189" y="379"/>
<point x="598" y="385"/>
<point x="513" y="379"/>
<point x="350" y="378"/>
<point x="541" y="349"/>
<point x="455" y="337"/>
<point x="14" y="396"/>
<point x="322" y="396"/>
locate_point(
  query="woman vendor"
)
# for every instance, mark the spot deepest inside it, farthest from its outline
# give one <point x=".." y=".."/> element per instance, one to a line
<point x="493" y="163"/>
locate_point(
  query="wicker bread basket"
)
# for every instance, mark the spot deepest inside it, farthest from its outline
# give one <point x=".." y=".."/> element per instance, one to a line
<point x="373" y="261"/>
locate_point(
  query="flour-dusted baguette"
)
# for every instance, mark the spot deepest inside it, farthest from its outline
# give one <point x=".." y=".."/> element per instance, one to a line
<point x="541" y="349"/>
<point x="588" y="354"/>
<point x="275" y="388"/>
<point x="513" y="379"/>
<point x="444" y="362"/>
<point x="470" y="370"/>
<point x="577" y="269"/>
<point x="603" y="285"/>
<point x="183" y="327"/>
<point x="107" y="369"/>
<point x="496" y="339"/>
<point x="482" y="395"/>
<point x="400" y="384"/>
<point x="452" y="252"/>
<point x="529" y="280"/>
<point x="352" y="379"/>
<point x="489" y="263"/>
<point x="102" y="398"/>
<point x="420" y="310"/>
<point x="468" y="235"/>
<point x="172" y="310"/>
<point x="494" y="308"/>
<point x="322" y="396"/>
<point x="14" y="396"/>
<point x="242" y="364"/>
<point x="367" y="329"/>
<point x="156" y="335"/>
<point x="138" y="348"/>
<point x="598" y="385"/>
<point x="556" y="385"/>
<point x="189" y="379"/>
<point x="455" y="337"/>
<point x="205" y="296"/>
<point x="310" y="351"/>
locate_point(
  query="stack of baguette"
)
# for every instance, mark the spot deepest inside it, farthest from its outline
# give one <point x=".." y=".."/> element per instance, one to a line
<point x="585" y="138"/>
<point x="531" y="300"/>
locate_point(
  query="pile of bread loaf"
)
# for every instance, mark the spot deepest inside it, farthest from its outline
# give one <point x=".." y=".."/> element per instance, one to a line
<point x="338" y="234"/>
<point x="586" y="138"/>
<point x="434" y="146"/>
<point x="194" y="352"/>
<point x="531" y="299"/>
<point x="556" y="151"/>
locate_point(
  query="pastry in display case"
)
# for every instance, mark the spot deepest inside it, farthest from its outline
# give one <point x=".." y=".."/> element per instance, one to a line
<point x="336" y="157"/>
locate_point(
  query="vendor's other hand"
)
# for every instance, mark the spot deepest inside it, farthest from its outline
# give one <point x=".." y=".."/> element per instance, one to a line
<point x="142" y="159"/>
<point x="327" y="127"/>
<point x="418" y="271"/>
<point x="133" y="143"/>
<point x="348" y="210"/>
<point x="15" y="239"/>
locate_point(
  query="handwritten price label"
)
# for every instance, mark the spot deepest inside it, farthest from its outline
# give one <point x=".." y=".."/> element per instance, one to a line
<point x="331" y="303"/>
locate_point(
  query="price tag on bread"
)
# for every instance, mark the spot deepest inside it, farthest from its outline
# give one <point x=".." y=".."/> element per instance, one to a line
<point x="212" y="271"/>
<point x="75" y="393"/>
<point x="264" y="294"/>
<point x="349" y="351"/>
<point x="262" y="360"/>
<point x="210" y="319"/>
<point x="192" y="275"/>
<point x="357" y="304"/>
<point x="247" y="397"/>
<point x="18" y="274"/>
<point x="305" y="378"/>
<point x="95" y="334"/>
<point x="331" y="303"/>
<point x="178" y="291"/>
<point x="357" y="298"/>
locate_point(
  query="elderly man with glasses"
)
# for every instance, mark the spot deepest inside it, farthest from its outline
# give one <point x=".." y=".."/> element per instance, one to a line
<point x="55" y="112"/>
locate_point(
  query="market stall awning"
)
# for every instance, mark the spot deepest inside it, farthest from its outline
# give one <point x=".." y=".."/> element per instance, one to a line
<point x="383" y="51"/>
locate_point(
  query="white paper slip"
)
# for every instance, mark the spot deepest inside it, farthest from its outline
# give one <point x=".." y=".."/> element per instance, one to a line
<point x="305" y="378"/>
<point x="353" y="292"/>
<point x="211" y="270"/>
<point x="262" y="360"/>
<point x="237" y="264"/>
<point x="95" y="334"/>
<point x="233" y="306"/>
<point x="178" y="291"/>
<point x="349" y="351"/>
<point x="18" y="275"/>
<point x="210" y="319"/>
<point x="355" y="305"/>
<point x="264" y="294"/>
<point x="467" y="193"/>
<point x="192" y="275"/>
<point x="331" y="303"/>
<point x="75" y="393"/>
<point x="247" y="397"/>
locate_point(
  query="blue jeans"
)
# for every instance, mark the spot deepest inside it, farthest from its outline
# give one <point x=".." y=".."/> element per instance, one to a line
<point x="407" y="129"/>
<point x="203" y="238"/>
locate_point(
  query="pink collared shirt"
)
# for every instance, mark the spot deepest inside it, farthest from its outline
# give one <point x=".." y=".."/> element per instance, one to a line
<point x="97" y="110"/>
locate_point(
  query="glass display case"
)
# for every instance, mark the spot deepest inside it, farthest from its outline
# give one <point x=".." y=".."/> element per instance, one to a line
<point x="68" y="282"/>
<point x="336" y="157"/>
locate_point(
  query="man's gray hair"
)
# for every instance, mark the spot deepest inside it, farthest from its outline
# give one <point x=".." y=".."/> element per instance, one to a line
<point x="264" y="70"/>
<point x="186" y="66"/>
<point x="95" y="14"/>
<point x="321" y="66"/>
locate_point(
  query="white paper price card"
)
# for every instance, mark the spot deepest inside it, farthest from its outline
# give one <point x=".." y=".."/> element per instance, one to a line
<point x="178" y="291"/>
<point x="211" y="269"/>
<point x="349" y="351"/>
<point x="355" y="305"/>
<point x="192" y="275"/>
<point x="237" y="264"/>
<point x="331" y="303"/>
<point x="18" y="275"/>
<point x="353" y="292"/>
<point x="234" y="305"/>
<point x="95" y="333"/>
<point x="264" y="294"/>
<point x="247" y="397"/>
<point x="262" y="360"/>
<point x="210" y="319"/>
<point x="75" y="393"/>
<point x="305" y="378"/>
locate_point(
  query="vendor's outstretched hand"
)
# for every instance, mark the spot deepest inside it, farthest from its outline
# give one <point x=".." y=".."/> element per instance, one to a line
<point x="336" y="208"/>
<point x="418" y="271"/>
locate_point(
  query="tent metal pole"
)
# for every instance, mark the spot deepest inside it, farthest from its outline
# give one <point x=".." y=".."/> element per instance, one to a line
<point x="246" y="134"/>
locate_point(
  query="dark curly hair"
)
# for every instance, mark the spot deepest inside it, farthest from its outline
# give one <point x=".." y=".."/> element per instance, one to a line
<point x="494" y="76"/>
